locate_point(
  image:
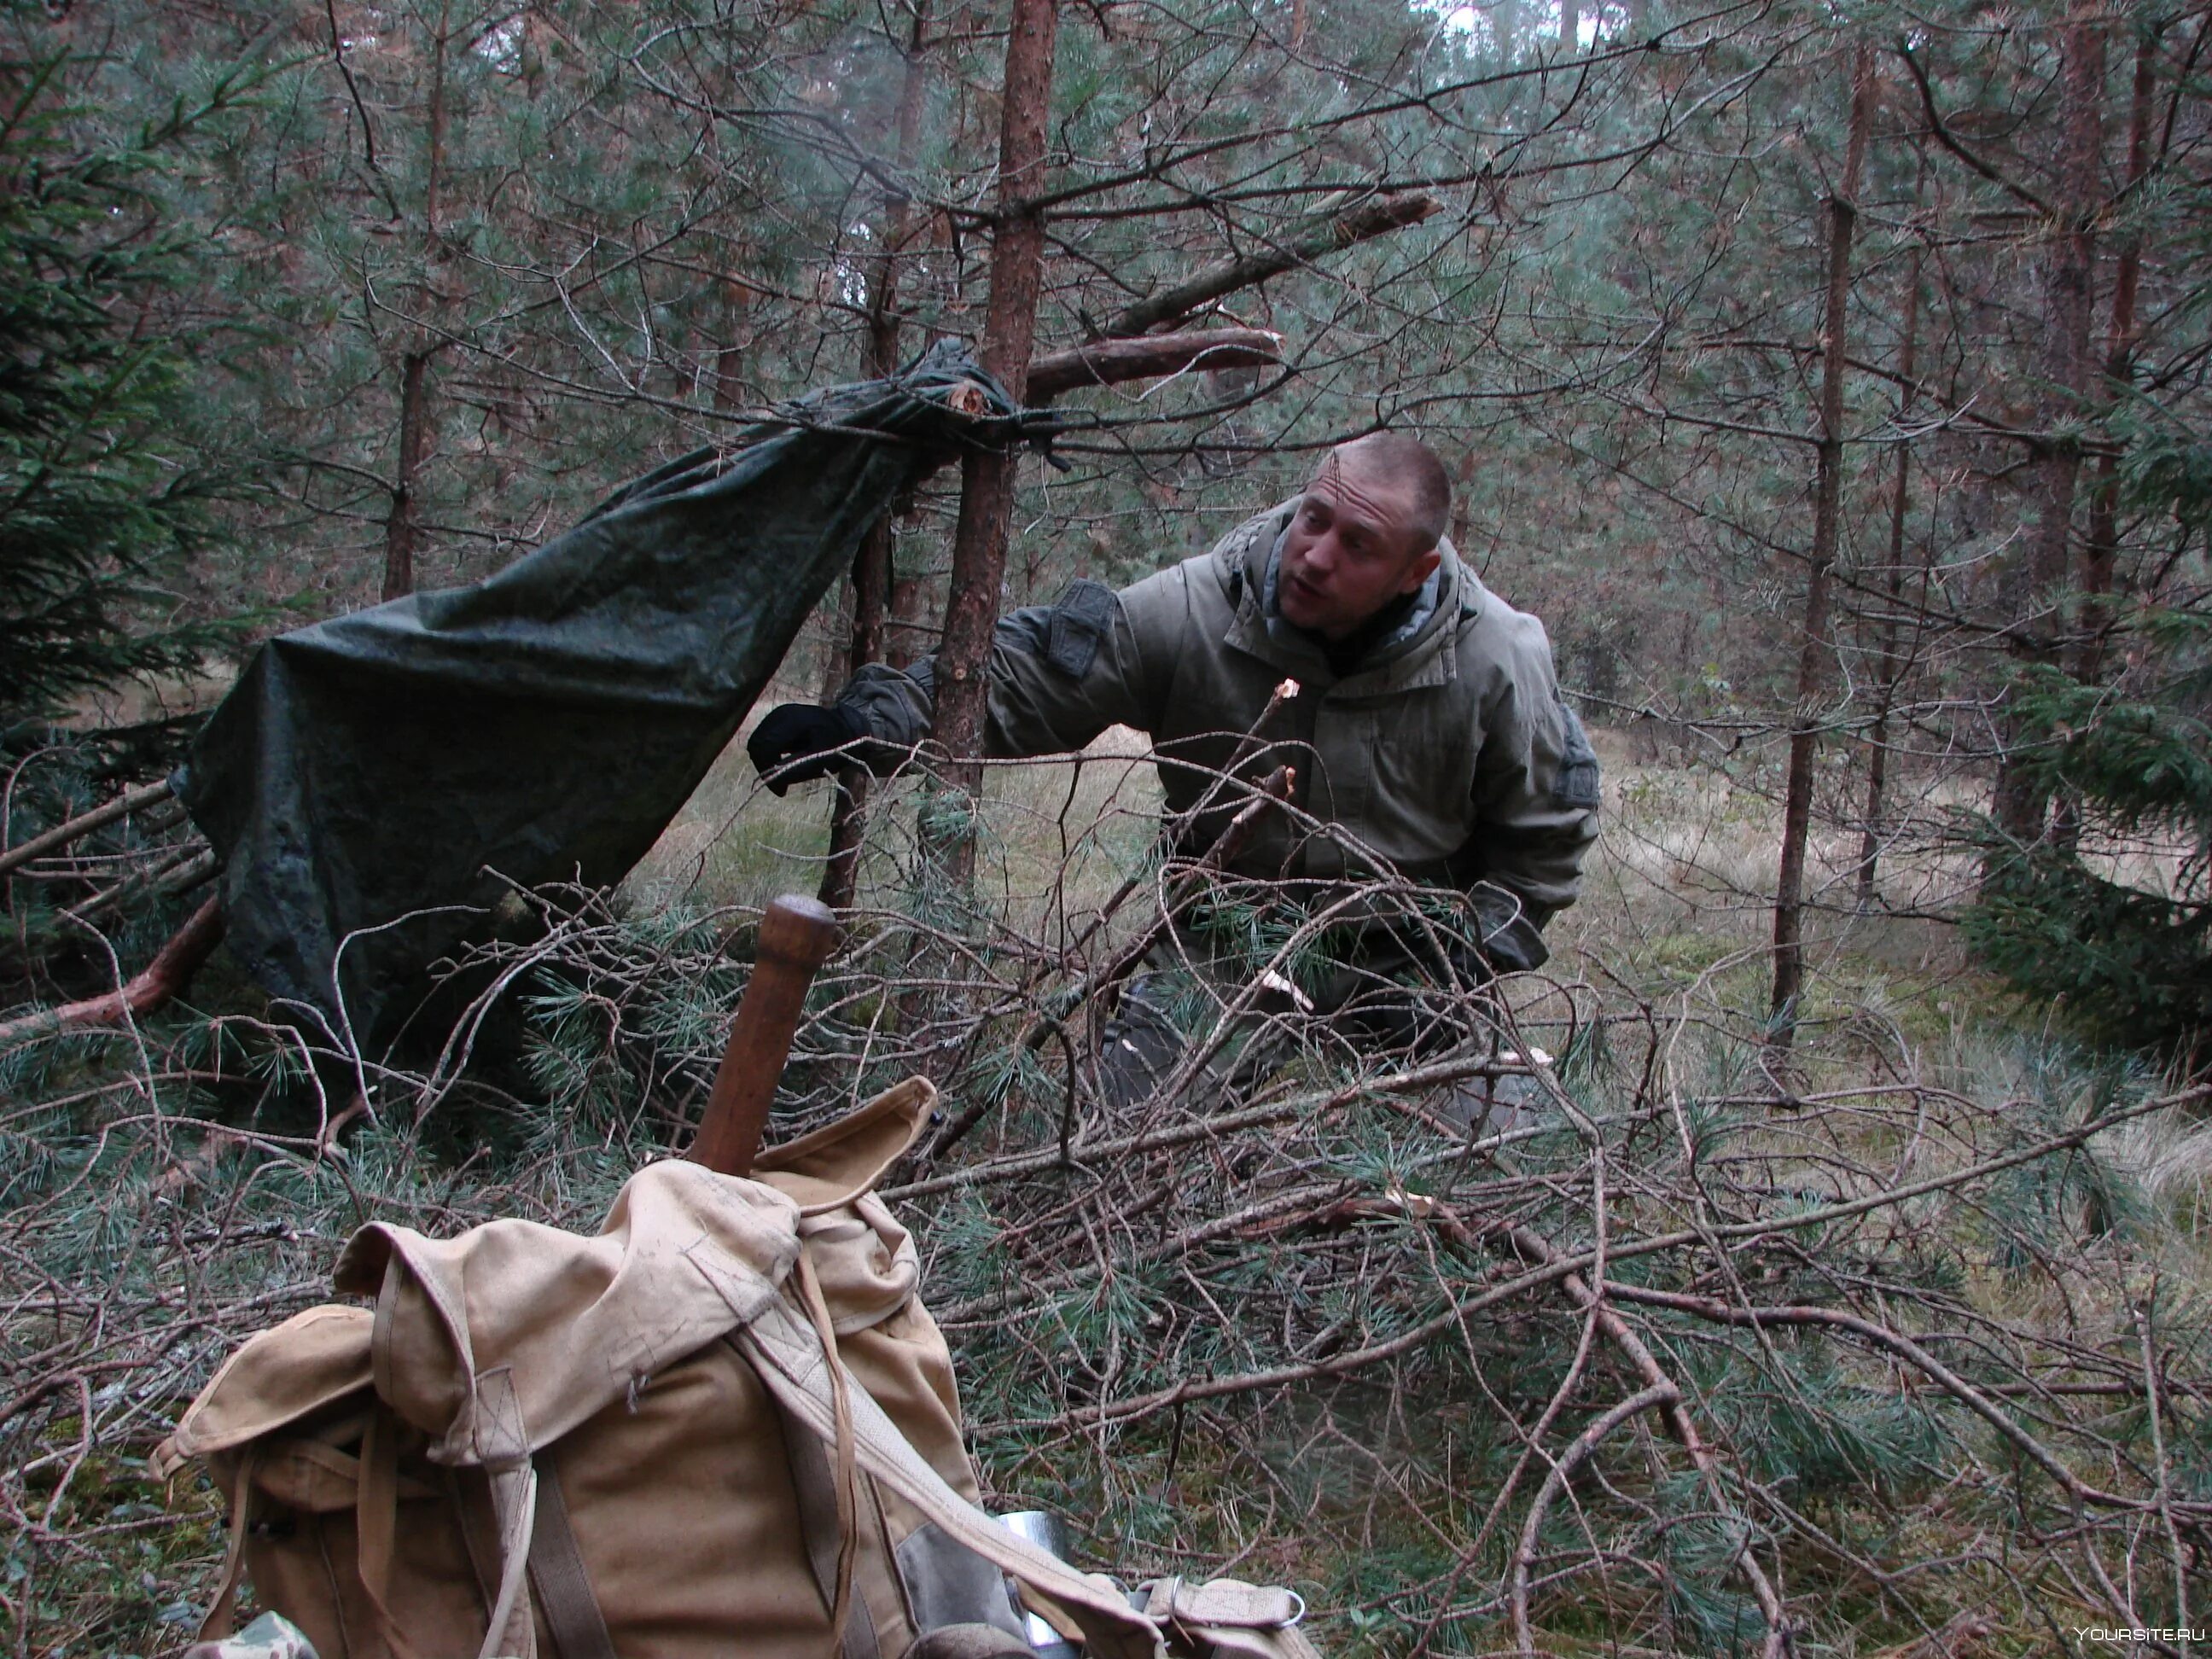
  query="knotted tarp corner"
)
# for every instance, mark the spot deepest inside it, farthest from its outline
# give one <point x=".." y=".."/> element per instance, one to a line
<point x="376" y="783"/>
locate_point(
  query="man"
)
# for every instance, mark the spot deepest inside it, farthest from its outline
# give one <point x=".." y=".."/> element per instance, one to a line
<point x="1427" y="729"/>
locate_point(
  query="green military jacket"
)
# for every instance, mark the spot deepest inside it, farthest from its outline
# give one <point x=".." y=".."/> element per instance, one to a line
<point x="1446" y="754"/>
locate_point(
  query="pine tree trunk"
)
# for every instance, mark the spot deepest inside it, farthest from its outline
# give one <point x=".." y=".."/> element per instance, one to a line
<point x="1893" y="668"/>
<point x="730" y="351"/>
<point x="2100" y="547"/>
<point x="987" y="479"/>
<point x="1827" y="506"/>
<point x="872" y="565"/>
<point x="399" y="525"/>
<point x="2040" y="609"/>
<point x="401" y="535"/>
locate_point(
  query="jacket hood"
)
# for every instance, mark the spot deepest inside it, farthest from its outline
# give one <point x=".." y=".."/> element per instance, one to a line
<point x="1245" y="561"/>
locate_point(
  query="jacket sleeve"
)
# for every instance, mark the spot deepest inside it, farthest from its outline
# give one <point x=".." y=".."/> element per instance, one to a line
<point x="1059" y="675"/>
<point x="1536" y="796"/>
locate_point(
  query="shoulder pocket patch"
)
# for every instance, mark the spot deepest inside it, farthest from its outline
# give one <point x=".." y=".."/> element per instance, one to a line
<point x="1576" y="785"/>
<point x="1079" y="621"/>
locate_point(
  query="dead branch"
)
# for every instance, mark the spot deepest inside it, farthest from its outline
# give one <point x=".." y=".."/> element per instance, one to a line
<point x="170" y="971"/>
<point x="129" y="801"/>
<point x="1371" y="219"/>
<point x="1110" y="362"/>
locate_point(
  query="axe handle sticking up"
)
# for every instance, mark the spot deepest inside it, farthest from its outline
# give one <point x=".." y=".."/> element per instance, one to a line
<point x="797" y="935"/>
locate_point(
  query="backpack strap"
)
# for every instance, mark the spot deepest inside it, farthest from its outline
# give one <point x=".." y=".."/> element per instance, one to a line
<point x="796" y="1371"/>
<point x="814" y="1484"/>
<point x="847" y="1494"/>
<point x="1230" y="1619"/>
<point x="222" y="1612"/>
<point x="502" y="1449"/>
<point x="558" y="1582"/>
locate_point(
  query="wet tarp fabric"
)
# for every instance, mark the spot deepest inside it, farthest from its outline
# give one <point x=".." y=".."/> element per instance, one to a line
<point x="377" y="783"/>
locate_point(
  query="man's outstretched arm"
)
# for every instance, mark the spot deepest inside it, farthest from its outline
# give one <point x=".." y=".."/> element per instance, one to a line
<point x="1059" y="675"/>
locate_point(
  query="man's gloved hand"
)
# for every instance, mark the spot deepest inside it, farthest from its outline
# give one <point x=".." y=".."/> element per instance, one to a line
<point x="797" y="741"/>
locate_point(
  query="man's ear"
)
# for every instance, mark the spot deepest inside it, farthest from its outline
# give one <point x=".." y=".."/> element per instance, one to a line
<point x="1422" y="567"/>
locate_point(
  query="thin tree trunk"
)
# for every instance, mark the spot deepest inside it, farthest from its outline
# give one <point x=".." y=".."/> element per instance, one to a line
<point x="872" y="564"/>
<point x="730" y="352"/>
<point x="2100" y="548"/>
<point x="435" y="165"/>
<point x="399" y="525"/>
<point x="1827" y="506"/>
<point x="1571" y="25"/>
<point x="401" y="535"/>
<point x="1892" y="669"/>
<point x="2040" y="611"/>
<point x="986" y="478"/>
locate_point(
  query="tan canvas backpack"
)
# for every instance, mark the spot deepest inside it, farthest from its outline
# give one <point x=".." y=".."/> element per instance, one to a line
<point x="724" y="1424"/>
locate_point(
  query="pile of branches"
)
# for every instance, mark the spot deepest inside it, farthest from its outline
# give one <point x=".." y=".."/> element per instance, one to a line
<point x="1657" y="1354"/>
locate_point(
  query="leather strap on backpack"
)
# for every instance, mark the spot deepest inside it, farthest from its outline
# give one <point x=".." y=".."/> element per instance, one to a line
<point x="559" y="1583"/>
<point x="848" y="1478"/>
<point x="791" y="1364"/>
<point x="222" y="1612"/>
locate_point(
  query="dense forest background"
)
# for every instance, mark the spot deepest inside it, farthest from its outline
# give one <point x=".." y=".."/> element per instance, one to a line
<point x="1823" y="380"/>
<point x="1830" y="379"/>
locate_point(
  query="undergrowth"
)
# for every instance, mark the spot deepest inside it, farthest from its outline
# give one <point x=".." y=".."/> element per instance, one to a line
<point x="1927" y="1301"/>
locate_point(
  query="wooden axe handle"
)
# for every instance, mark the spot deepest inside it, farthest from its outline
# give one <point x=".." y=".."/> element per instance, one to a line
<point x="797" y="935"/>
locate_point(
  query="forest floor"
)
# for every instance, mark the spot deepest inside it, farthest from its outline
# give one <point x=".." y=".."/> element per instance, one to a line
<point x="1927" y="1301"/>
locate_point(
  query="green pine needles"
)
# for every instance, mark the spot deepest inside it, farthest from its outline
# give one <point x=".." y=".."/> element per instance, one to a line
<point x="2111" y="914"/>
<point x="100" y="501"/>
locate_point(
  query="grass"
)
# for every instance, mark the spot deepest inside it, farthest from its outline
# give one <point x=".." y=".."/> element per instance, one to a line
<point x="161" y="1197"/>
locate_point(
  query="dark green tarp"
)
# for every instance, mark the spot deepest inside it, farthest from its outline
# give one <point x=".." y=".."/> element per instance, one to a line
<point x="544" y="725"/>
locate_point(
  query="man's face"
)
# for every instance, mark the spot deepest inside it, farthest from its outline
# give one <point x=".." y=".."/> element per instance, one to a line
<point x="1352" y="547"/>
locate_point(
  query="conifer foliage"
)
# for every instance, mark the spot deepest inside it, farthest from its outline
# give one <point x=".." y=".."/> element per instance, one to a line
<point x="99" y="499"/>
<point x="2112" y="920"/>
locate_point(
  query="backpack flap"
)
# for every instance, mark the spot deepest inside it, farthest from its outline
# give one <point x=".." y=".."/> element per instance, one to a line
<point x="829" y="1168"/>
<point x="280" y="1378"/>
<point x="867" y="1263"/>
<point x="573" y="1322"/>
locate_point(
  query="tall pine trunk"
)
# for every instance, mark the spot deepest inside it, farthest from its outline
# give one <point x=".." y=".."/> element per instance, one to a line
<point x="2040" y="611"/>
<point x="1893" y="665"/>
<point x="2100" y="545"/>
<point x="402" y="533"/>
<point x="400" y="527"/>
<point x="1813" y="649"/>
<point x="986" y="478"/>
<point x="872" y="565"/>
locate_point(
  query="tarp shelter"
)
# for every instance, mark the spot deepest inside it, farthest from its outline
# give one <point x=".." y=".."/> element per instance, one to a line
<point x="376" y="783"/>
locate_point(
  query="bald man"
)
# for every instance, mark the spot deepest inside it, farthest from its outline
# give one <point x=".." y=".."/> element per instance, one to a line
<point x="1428" y="731"/>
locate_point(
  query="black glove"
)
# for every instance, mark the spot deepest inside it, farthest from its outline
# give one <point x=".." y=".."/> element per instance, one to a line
<point x="797" y="742"/>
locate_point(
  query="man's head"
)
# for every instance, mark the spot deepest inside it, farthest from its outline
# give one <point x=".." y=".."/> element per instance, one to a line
<point x="1364" y="533"/>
